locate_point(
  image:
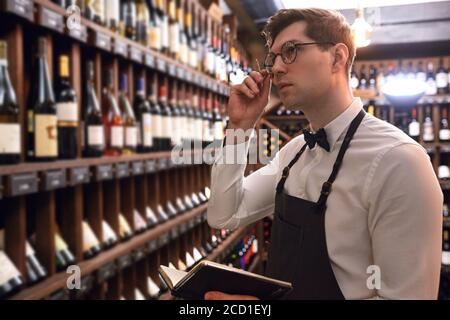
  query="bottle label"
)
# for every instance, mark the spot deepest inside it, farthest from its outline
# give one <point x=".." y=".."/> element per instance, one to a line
<point x="165" y="32"/>
<point x="46" y="135"/>
<point x="444" y="134"/>
<point x="131" y="136"/>
<point x="174" y="41"/>
<point x="175" y="130"/>
<point x="8" y="269"/>
<point x="117" y="136"/>
<point x="60" y="244"/>
<point x="123" y="225"/>
<point x="155" y="38"/>
<point x="166" y="127"/>
<point x="414" y="129"/>
<point x="199" y="129"/>
<point x="428" y="134"/>
<point x="89" y="238"/>
<point x="147" y="130"/>
<point x="218" y="130"/>
<point x="108" y="232"/>
<point x="431" y="87"/>
<point x="193" y="58"/>
<point x="67" y="111"/>
<point x="9" y="138"/>
<point x="96" y="136"/>
<point x="157" y="126"/>
<point x="441" y="80"/>
<point x="421" y="76"/>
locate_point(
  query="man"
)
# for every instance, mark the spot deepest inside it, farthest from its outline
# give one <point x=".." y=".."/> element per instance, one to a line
<point x="357" y="207"/>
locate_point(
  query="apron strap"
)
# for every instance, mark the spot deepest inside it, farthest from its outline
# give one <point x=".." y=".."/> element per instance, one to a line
<point x="326" y="187"/>
<point x="280" y="185"/>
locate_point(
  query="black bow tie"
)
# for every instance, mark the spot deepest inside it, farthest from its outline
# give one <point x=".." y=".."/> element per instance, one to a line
<point x="320" y="138"/>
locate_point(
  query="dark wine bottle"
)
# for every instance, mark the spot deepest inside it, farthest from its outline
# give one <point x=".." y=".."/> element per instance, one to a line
<point x="143" y="113"/>
<point x="35" y="270"/>
<point x="67" y="112"/>
<point x="156" y="118"/>
<point x="166" y="140"/>
<point x="112" y="119"/>
<point x="10" y="142"/>
<point x="93" y="129"/>
<point x="42" y="117"/>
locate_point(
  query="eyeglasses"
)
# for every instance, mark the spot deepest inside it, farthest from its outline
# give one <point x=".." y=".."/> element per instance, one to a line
<point x="288" y="53"/>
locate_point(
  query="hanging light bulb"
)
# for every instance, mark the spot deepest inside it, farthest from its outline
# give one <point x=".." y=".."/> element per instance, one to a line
<point x="361" y="30"/>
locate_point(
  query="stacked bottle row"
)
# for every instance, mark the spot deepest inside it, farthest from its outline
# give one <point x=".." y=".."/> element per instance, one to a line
<point x="376" y="75"/>
<point x="172" y="113"/>
<point x="180" y="29"/>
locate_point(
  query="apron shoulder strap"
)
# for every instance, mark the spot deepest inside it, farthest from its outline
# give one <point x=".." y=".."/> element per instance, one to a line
<point x="326" y="187"/>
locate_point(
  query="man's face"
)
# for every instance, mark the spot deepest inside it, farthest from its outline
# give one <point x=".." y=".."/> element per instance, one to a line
<point x="309" y="77"/>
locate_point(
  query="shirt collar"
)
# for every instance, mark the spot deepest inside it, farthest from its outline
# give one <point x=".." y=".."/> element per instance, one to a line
<point x="335" y="128"/>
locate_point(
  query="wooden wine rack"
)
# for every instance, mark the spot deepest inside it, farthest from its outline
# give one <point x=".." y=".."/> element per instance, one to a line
<point x="100" y="188"/>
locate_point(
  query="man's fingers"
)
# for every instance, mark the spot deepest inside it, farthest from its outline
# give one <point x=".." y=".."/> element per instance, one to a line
<point x="243" y="89"/>
<point x="257" y="77"/>
<point x="216" y="295"/>
<point x="249" y="82"/>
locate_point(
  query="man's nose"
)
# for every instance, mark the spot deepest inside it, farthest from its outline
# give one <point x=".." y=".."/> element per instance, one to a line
<point x="279" y="67"/>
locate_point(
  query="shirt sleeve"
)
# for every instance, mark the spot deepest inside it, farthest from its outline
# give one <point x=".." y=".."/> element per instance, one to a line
<point x="405" y="223"/>
<point x="237" y="200"/>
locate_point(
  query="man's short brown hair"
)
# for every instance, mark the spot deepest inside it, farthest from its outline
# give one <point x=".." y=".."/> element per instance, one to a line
<point x="321" y="25"/>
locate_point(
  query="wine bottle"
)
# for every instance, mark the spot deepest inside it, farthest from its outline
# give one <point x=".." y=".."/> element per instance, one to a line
<point x="125" y="230"/>
<point x="153" y="289"/>
<point x="205" y="122"/>
<point x="184" y="132"/>
<point x="175" y="137"/>
<point x="129" y="119"/>
<point x="428" y="132"/>
<point x="174" y="31"/>
<point x="431" y="80"/>
<point x="109" y="236"/>
<point x="35" y="270"/>
<point x="67" y="112"/>
<point x="162" y="215"/>
<point x="140" y="225"/>
<point x="112" y="119"/>
<point x="441" y="78"/>
<point x="64" y="256"/>
<point x="93" y="130"/>
<point x="155" y="40"/>
<point x="112" y="15"/>
<point x="138" y="295"/>
<point x="414" y="126"/>
<point x="128" y="19"/>
<point x="166" y="117"/>
<point x="95" y="10"/>
<point x="142" y="22"/>
<point x="190" y="118"/>
<point x="42" y="118"/>
<point x="152" y="219"/>
<point x="11" y="280"/>
<point x="10" y="140"/>
<point x="420" y="73"/>
<point x="190" y="262"/>
<point x="157" y="133"/>
<point x="143" y="113"/>
<point x="165" y="32"/>
<point x="444" y="131"/>
<point x="198" y="120"/>
<point x="91" y="245"/>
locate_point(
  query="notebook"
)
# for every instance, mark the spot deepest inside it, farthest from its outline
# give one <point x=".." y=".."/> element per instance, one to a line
<point x="211" y="276"/>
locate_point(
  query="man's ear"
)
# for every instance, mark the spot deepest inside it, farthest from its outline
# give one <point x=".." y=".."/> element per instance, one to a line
<point x="341" y="55"/>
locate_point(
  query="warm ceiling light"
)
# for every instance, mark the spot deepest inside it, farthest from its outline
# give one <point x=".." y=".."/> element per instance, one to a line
<point x="361" y="30"/>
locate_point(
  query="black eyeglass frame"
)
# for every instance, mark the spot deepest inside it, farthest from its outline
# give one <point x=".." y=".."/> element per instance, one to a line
<point x="296" y="45"/>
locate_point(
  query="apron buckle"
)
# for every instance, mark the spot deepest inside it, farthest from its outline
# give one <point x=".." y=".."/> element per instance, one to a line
<point x="285" y="172"/>
<point x="326" y="188"/>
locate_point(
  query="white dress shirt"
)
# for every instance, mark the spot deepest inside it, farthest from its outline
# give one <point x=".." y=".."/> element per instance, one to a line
<point x="385" y="208"/>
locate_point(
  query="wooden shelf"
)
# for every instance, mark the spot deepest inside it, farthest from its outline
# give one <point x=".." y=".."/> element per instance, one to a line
<point x="58" y="281"/>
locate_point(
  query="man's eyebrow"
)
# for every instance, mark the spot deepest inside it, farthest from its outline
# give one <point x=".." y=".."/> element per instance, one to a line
<point x="295" y="40"/>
